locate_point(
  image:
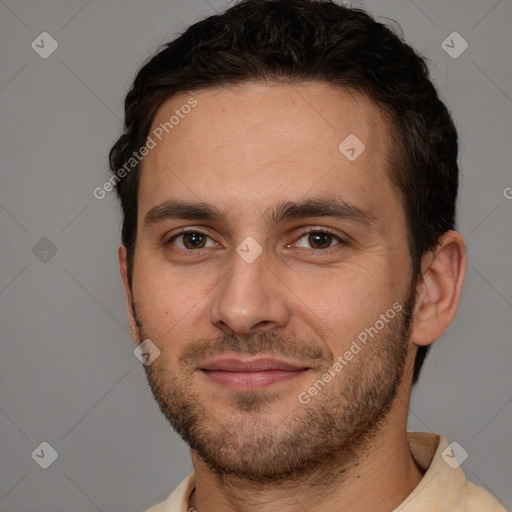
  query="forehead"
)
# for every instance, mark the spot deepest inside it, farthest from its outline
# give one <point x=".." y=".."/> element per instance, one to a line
<point x="251" y="145"/>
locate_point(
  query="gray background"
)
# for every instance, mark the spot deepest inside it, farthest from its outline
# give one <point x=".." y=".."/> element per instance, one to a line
<point x="68" y="375"/>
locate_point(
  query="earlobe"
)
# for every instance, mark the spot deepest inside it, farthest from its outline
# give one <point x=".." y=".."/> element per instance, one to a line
<point x="123" y="268"/>
<point x="440" y="287"/>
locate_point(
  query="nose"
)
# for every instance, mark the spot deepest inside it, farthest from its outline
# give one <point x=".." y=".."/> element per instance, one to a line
<point x="250" y="298"/>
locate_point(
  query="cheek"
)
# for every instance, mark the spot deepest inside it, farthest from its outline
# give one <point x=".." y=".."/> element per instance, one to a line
<point x="160" y="302"/>
<point x="171" y="302"/>
<point x="341" y="303"/>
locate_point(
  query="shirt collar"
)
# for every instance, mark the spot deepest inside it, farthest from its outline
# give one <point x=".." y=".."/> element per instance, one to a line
<point x="443" y="487"/>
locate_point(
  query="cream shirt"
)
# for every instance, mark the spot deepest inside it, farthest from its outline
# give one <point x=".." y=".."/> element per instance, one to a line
<point x="442" y="489"/>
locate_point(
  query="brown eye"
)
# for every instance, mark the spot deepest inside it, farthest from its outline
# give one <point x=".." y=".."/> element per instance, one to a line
<point x="194" y="240"/>
<point x="318" y="240"/>
<point x="191" y="240"/>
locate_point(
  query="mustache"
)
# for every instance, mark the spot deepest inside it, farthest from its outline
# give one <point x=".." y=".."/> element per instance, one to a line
<point x="267" y="343"/>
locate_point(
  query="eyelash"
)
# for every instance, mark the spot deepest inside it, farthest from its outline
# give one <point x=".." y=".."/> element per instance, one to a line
<point x="322" y="231"/>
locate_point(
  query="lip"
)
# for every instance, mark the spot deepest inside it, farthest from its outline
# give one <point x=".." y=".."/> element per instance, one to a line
<point x="235" y="364"/>
<point x="251" y="374"/>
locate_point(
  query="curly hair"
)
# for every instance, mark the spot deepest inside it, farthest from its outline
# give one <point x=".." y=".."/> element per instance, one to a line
<point x="294" y="41"/>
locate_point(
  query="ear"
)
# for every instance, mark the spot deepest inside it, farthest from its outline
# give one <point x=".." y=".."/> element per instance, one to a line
<point x="439" y="288"/>
<point x="123" y="267"/>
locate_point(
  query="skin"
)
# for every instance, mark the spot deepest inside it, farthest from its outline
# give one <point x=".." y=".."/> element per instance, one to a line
<point x="244" y="150"/>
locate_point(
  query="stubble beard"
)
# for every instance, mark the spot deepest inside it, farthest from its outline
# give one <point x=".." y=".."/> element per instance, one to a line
<point x="318" y="441"/>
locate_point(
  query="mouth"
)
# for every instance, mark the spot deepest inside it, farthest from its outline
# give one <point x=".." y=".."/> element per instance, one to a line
<point x="251" y="374"/>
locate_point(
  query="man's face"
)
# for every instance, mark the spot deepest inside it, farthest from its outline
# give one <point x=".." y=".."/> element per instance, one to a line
<point x="255" y="303"/>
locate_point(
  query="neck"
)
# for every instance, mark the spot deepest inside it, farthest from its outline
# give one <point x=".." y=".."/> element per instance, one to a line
<point x="378" y="480"/>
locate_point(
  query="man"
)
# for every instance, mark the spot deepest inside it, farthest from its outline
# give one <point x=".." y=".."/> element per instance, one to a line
<point x="288" y="178"/>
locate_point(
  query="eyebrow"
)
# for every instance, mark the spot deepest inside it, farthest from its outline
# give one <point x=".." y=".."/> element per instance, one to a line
<point x="311" y="207"/>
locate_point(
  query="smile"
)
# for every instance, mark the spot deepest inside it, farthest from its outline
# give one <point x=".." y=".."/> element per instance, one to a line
<point x="250" y="375"/>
